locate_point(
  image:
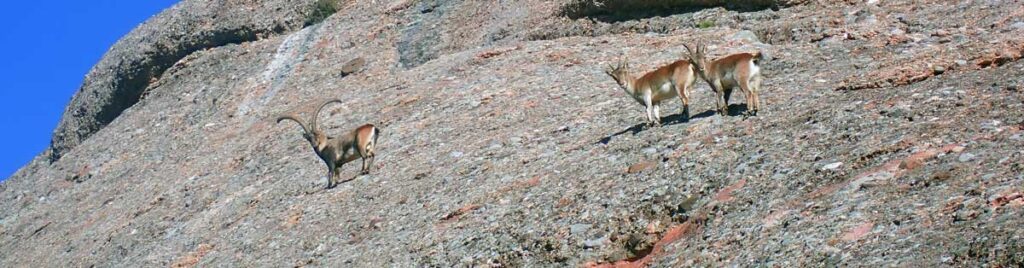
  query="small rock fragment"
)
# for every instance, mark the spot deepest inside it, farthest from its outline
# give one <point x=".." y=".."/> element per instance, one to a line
<point x="912" y="163"/>
<point x="966" y="157"/>
<point x="593" y="243"/>
<point x="638" y="167"/>
<point x="579" y="228"/>
<point x="353" y="66"/>
<point x="1017" y="25"/>
<point x="941" y="175"/>
<point x="832" y="166"/>
<point x="859" y="232"/>
<point x="687" y="204"/>
<point x="745" y="35"/>
<point x="654" y="227"/>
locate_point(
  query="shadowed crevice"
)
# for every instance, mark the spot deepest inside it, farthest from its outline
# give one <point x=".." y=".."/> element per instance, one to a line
<point x="625" y="10"/>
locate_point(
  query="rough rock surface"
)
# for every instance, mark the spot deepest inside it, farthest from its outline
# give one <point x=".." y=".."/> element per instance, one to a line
<point x="891" y="133"/>
<point x="141" y="57"/>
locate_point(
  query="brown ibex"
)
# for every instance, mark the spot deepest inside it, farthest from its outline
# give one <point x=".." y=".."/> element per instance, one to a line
<point x="675" y="79"/>
<point x="728" y="72"/>
<point x="336" y="151"/>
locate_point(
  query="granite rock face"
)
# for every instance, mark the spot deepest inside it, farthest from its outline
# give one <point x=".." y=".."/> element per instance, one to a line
<point x="505" y="144"/>
<point x="141" y="57"/>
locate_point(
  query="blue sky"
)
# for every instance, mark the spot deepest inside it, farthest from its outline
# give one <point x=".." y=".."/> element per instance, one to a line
<point x="47" y="48"/>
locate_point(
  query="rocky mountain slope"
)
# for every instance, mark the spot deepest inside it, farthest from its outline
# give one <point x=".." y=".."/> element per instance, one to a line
<point x="890" y="134"/>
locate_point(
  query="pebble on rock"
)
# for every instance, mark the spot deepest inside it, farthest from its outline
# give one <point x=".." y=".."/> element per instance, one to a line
<point x="832" y="166"/>
<point x="966" y="157"/>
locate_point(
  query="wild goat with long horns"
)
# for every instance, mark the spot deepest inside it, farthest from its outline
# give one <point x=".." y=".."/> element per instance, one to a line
<point x="336" y="151"/>
<point x="728" y="72"/>
<point x="649" y="89"/>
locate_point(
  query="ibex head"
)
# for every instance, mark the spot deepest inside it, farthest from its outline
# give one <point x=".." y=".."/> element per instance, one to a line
<point x="312" y="132"/>
<point x="696" y="57"/>
<point x="619" y="72"/>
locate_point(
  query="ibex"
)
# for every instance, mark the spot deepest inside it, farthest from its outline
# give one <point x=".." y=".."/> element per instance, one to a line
<point x="675" y="79"/>
<point x="726" y="73"/>
<point x="336" y="151"/>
